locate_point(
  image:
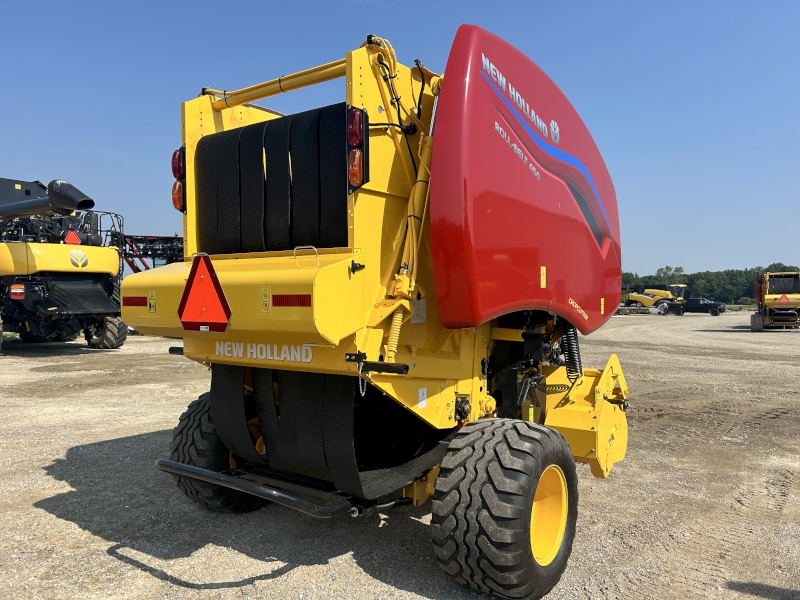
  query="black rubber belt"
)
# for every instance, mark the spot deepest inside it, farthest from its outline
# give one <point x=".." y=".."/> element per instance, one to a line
<point x="338" y="418"/>
<point x="251" y="172"/>
<point x="305" y="179"/>
<point x="278" y="206"/>
<point x="206" y="196"/>
<point x="264" y="399"/>
<point x="300" y="438"/>
<point x="333" y="176"/>
<point x="227" y="408"/>
<point x="227" y="163"/>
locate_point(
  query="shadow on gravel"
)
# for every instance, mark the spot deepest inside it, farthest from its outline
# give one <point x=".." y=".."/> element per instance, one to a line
<point x="14" y="347"/>
<point x="121" y="497"/>
<point x="763" y="591"/>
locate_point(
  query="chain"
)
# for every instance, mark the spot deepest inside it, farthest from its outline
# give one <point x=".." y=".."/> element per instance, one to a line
<point x="363" y="390"/>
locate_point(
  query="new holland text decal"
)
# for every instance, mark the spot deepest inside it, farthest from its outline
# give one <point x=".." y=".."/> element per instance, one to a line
<point x="302" y="353"/>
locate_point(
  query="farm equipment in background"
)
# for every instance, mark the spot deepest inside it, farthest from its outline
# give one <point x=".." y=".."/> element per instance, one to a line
<point x="778" y="301"/>
<point x="59" y="265"/>
<point x="391" y="312"/>
<point x="159" y="250"/>
<point x="653" y="295"/>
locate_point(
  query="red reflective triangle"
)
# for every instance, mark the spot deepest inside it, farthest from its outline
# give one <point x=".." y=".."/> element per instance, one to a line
<point x="203" y="305"/>
<point x="72" y="238"/>
<point x="783" y="299"/>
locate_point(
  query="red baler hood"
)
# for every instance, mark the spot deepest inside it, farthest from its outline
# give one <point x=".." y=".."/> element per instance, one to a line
<point x="523" y="211"/>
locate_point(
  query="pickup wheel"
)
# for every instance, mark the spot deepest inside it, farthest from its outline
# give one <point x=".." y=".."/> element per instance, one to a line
<point x="505" y="508"/>
<point x="678" y="312"/>
<point x="195" y="442"/>
<point x="714" y="312"/>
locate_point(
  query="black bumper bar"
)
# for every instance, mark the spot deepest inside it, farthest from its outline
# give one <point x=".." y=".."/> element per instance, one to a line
<point x="256" y="489"/>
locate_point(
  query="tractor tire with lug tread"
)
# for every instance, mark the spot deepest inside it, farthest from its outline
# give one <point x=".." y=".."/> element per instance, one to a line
<point x="757" y="322"/>
<point x="111" y="333"/>
<point x="195" y="442"/>
<point x="486" y="500"/>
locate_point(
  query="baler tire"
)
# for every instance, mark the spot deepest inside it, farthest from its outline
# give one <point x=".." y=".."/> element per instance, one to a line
<point x="482" y="507"/>
<point x="757" y="322"/>
<point x="112" y="334"/>
<point x="195" y="442"/>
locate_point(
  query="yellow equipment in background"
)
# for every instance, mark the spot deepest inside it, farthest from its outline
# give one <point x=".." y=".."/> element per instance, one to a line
<point x="59" y="270"/>
<point x="778" y="298"/>
<point x="653" y="295"/>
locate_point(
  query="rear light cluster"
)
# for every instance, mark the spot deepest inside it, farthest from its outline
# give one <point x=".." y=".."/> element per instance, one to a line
<point x="357" y="148"/>
<point x="179" y="173"/>
<point x="17" y="292"/>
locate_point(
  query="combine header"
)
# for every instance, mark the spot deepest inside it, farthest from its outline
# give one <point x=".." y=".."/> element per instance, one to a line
<point x="389" y="292"/>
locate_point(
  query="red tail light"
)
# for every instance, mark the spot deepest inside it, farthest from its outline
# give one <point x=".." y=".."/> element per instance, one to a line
<point x="17" y="292"/>
<point x="355" y="168"/>
<point x="355" y="127"/>
<point x="177" y="164"/>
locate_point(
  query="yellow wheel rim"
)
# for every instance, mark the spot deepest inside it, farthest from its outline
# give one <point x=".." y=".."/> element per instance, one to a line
<point x="549" y="515"/>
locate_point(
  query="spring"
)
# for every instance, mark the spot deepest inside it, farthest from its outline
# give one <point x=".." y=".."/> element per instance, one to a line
<point x="394" y="334"/>
<point x="572" y="352"/>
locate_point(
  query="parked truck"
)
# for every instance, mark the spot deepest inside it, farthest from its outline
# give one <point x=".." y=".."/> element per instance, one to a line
<point x="778" y="301"/>
<point x="59" y="265"/>
<point x="389" y="292"/>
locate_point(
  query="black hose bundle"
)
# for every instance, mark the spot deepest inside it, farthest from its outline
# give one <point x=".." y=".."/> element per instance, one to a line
<point x="572" y="351"/>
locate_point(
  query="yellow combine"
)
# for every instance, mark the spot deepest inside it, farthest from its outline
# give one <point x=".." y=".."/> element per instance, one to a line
<point x="59" y="265"/>
<point x="654" y="295"/>
<point x="382" y="291"/>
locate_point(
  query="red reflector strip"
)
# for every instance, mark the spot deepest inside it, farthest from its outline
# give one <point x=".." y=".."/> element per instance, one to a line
<point x="134" y="301"/>
<point x="291" y="300"/>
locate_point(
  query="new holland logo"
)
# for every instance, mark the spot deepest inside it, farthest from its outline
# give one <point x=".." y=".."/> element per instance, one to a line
<point x="78" y="258"/>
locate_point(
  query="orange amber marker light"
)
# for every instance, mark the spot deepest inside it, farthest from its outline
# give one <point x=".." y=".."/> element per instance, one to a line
<point x="177" y="195"/>
<point x="355" y="167"/>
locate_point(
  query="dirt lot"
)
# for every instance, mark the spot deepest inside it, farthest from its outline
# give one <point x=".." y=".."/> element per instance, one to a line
<point x="705" y="505"/>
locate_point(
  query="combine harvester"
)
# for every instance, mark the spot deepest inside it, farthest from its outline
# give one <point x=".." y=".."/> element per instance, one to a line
<point x="389" y="291"/>
<point x="59" y="265"/>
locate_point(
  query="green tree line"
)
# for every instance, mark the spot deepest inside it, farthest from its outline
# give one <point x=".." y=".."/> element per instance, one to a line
<point x="733" y="286"/>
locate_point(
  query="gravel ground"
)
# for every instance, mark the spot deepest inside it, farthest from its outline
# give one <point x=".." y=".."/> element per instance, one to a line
<point x="704" y="506"/>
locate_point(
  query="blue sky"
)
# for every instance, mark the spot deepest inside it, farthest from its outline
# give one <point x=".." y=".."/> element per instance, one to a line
<point x="695" y="106"/>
